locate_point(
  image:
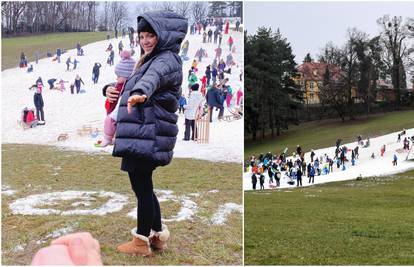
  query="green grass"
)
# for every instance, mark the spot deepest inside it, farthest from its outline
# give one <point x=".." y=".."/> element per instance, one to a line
<point x="368" y="222"/>
<point x="31" y="169"/>
<point x="319" y="134"/>
<point x="12" y="47"/>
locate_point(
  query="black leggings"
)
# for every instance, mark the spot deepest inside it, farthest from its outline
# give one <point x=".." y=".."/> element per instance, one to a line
<point x="149" y="213"/>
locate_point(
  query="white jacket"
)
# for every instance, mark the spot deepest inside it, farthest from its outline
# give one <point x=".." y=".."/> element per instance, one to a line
<point x="194" y="101"/>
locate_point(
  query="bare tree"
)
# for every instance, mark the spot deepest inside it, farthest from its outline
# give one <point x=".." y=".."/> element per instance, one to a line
<point x="199" y="10"/>
<point x="183" y="8"/>
<point x="119" y="12"/>
<point x="393" y="35"/>
<point x="168" y="6"/>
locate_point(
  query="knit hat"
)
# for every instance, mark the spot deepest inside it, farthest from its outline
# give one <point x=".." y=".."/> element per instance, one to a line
<point x="144" y="26"/>
<point x="125" y="54"/>
<point x="195" y="87"/>
<point x="125" y="67"/>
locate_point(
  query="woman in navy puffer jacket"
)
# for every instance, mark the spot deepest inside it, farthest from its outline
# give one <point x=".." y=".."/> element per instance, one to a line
<point x="147" y="124"/>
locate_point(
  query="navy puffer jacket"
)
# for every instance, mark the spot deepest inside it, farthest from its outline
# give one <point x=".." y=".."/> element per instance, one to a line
<point x="146" y="137"/>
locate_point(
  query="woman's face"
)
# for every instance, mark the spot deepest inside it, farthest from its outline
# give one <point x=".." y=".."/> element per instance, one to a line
<point x="147" y="41"/>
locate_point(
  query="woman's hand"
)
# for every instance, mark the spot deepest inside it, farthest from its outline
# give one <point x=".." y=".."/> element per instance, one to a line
<point x="112" y="94"/>
<point x="135" y="99"/>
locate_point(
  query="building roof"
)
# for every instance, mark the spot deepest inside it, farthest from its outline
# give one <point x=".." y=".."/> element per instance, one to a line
<point x="315" y="71"/>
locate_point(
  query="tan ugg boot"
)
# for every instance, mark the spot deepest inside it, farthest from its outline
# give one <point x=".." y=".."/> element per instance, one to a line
<point x="158" y="240"/>
<point x="139" y="245"/>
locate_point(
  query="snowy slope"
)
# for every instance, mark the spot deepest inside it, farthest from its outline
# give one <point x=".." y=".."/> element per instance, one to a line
<point x="365" y="166"/>
<point x="66" y="113"/>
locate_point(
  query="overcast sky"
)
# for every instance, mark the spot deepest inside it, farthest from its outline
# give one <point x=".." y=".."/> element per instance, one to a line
<point x="308" y="26"/>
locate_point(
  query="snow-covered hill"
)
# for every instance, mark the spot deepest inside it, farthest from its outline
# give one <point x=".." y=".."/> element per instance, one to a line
<point x="66" y="113"/>
<point x="365" y="166"/>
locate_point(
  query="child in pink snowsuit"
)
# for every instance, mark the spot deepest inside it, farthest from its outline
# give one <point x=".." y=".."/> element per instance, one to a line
<point x="123" y="70"/>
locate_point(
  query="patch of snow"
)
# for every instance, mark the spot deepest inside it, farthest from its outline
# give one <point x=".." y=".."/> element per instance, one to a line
<point x="57" y="233"/>
<point x="213" y="191"/>
<point x="226" y="138"/>
<point x="194" y="194"/>
<point x="32" y="205"/>
<point x="365" y="166"/>
<point x="18" y="248"/>
<point x="220" y="217"/>
<point x="187" y="210"/>
<point x="5" y="190"/>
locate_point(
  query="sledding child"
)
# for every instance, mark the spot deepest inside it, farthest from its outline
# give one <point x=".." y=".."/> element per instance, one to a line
<point x="123" y="70"/>
<point x="62" y="85"/>
<point x="394" y="162"/>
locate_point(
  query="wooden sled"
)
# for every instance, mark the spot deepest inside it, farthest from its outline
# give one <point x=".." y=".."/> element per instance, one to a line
<point x="85" y="130"/>
<point x="235" y="115"/>
<point x="202" y="126"/>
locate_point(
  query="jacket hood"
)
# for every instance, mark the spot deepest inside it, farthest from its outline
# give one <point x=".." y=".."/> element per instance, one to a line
<point x="169" y="27"/>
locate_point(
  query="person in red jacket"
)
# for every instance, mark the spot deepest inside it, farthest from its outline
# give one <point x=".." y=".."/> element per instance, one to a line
<point x="122" y="70"/>
<point x="230" y="42"/>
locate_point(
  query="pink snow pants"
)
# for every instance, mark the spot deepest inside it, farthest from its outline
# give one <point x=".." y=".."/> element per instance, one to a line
<point x="109" y="128"/>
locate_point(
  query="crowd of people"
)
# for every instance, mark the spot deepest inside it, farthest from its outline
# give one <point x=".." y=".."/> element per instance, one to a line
<point x="294" y="167"/>
<point x="209" y="87"/>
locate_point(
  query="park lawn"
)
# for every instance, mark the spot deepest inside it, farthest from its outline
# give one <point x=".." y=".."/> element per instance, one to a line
<point x="321" y="134"/>
<point x="368" y="222"/>
<point x="12" y="47"/>
<point x="32" y="169"/>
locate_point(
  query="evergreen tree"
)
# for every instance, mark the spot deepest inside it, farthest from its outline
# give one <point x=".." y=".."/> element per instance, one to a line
<point x="308" y="58"/>
<point x="272" y="97"/>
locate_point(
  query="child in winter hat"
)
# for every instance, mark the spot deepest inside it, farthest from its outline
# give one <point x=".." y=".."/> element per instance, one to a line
<point x="123" y="70"/>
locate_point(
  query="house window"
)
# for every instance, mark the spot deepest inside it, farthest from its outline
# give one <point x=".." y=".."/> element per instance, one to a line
<point x="311" y="86"/>
<point x="311" y="96"/>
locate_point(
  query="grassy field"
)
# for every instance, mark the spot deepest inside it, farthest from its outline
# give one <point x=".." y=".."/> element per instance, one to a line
<point x="12" y="47"/>
<point x="31" y="169"/>
<point x="319" y="134"/>
<point x="368" y="222"/>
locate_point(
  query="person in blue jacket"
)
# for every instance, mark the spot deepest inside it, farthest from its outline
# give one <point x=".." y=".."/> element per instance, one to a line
<point x="147" y="121"/>
<point x="58" y="54"/>
<point x="214" y="99"/>
<point x="95" y="72"/>
<point x="182" y="102"/>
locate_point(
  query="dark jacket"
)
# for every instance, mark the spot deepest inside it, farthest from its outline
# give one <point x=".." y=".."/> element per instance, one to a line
<point x="96" y="68"/>
<point x="213" y="98"/>
<point x="78" y="82"/>
<point x="146" y="138"/>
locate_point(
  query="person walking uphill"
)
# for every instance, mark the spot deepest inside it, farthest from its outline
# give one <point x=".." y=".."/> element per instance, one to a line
<point x="147" y="124"/>
<point x="95" y="72"/>
<point x="78" y="81"/>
